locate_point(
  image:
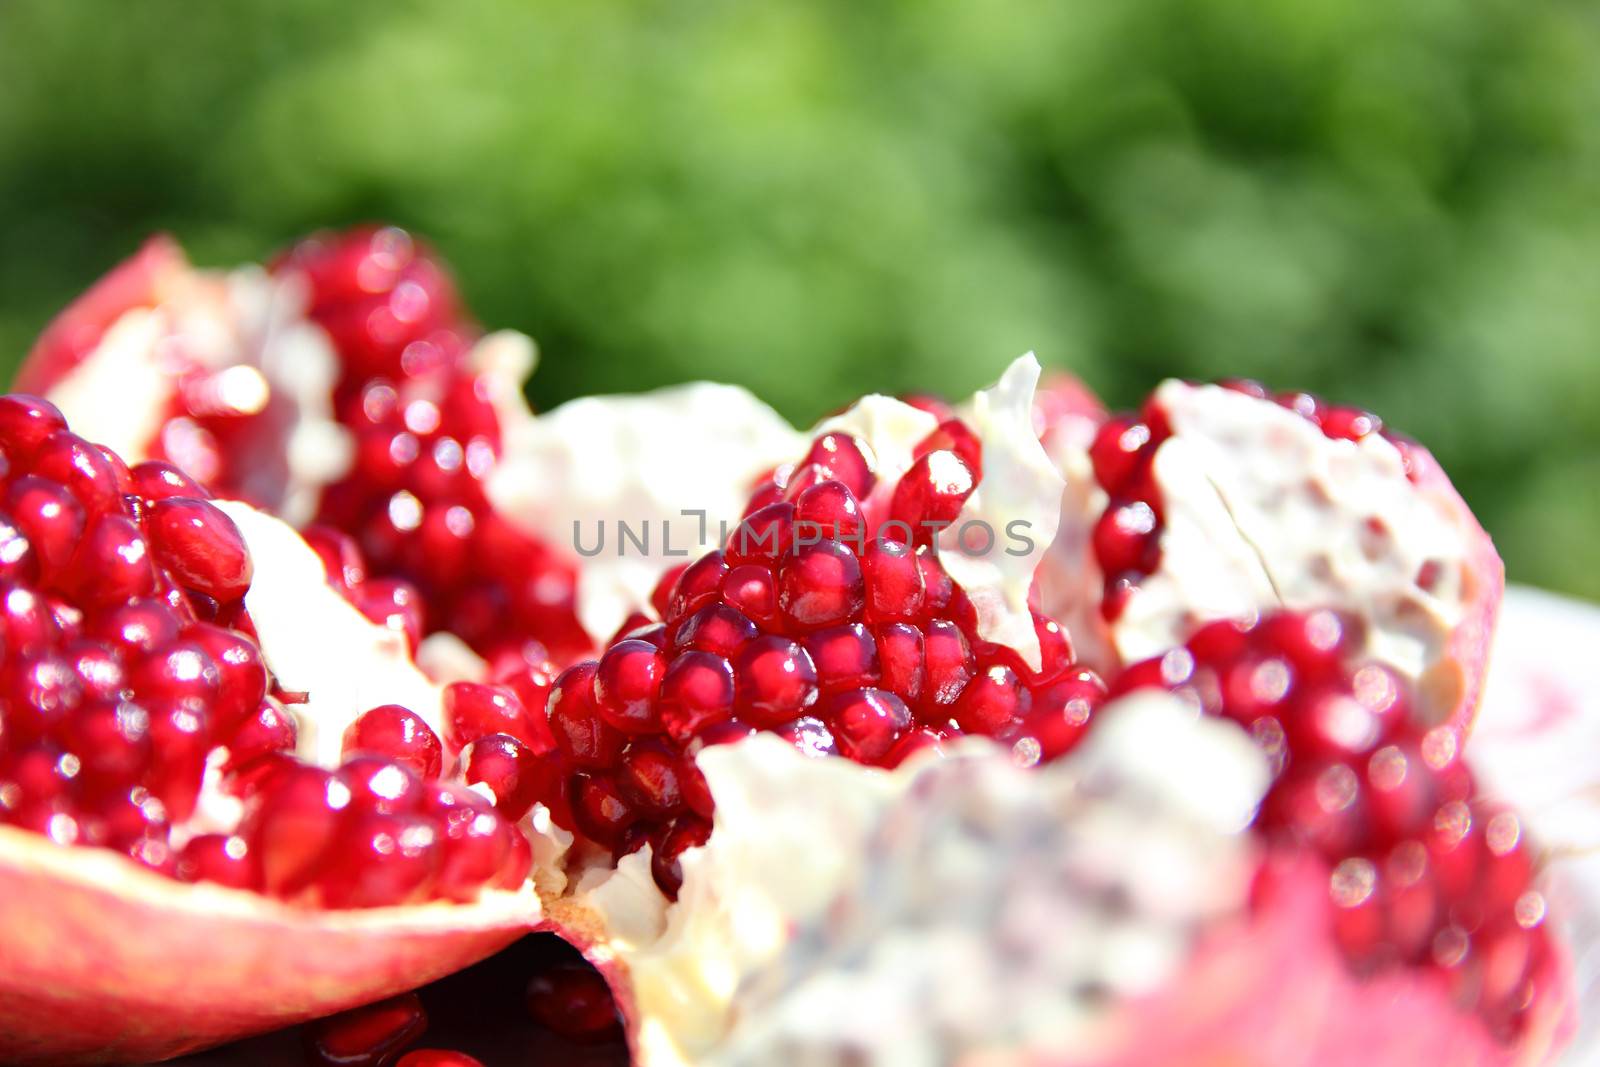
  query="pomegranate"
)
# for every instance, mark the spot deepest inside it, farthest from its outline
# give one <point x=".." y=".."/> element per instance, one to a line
<point x="1222" y="501"/>
<point x="1289" y="697"/>
<point x="190" y="781"/>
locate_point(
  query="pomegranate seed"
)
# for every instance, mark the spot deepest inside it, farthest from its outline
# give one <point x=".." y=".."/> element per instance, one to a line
<point x="751" y="590"/>
<point x="900" y="654"/>
<point x="139" y="626"/>
<point x="1061" y="712"/>
<point x="602" y="812"/>
<point x="776" y="681"/>
<point x="476" y="840"/>
<point x="649" y="777"/>
<point x="666" y="865"/>
<point x="394" y="605"/>
<point x="366" y="1037"/>
<point x="157" y="480"/>
<point x="25" y="423"/>
<point x="697" y="691"/>
<point x="242" y="673"/>
<point x="507" y="767"/>
<point x="111" y="740"/>
<point x="765" y="537"/>
<point x="399" y="734"/>
<point x="82" y="469"/>
<point x="896" y="589"/>
<point x="574" y="715"/>
<point x="696" y="587"/>
<point x="381" y="785"/>
<point x="992" y="701"/>
<point x="626" y="684"/>
<point x="381" y="860"/>
<point x="39" y="691"/>
<point x="811" y="736"/>
<point x="49" y="517"/>
<point x="827" y="510"/>
<point x="201" y="546"/>
<point x="947" y="662"/>
<point x="844" y="458"/>
<point x="436" y="1057"/>
<point x="183" y="672"/>
<point x="271" y="729"/>
<point x="820" y="585"/>
<point x="293" y="821"/>
<point x="866" y="723"/>
<point x="932" y="492"/>
<point x="574" y="1002"/>
<point x="220" y="858"/>
<point x="846" y="657"/>
<point x="473" y="710"/>
<point x="661" y="595"/>
<point x="716" y="628"/>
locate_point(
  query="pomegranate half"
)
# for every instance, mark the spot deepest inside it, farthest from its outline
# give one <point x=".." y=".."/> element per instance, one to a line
<point x="197" y="839"/>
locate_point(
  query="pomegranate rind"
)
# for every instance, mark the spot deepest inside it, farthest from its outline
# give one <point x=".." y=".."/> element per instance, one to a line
<point x="106" y="962"/>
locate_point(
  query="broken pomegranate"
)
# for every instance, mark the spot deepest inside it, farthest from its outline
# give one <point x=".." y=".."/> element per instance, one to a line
<point x="848" y="753"/>
<point x="185" y="699"/>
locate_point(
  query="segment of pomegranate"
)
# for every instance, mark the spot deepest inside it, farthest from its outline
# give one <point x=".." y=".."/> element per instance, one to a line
<point x="373" y="406"/>
<point x="178" y="690"/>
<point x="1220" y="501"/>
<point x="628" y="727"/>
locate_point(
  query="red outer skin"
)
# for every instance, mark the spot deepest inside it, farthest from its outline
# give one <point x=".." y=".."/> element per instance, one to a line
<point x="1276" y="993"/>
<point x="144" y="279"/>
<point x="105" y="962"/>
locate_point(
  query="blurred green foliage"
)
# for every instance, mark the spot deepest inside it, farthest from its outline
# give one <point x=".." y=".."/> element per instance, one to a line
<point x="1396" y="204"/>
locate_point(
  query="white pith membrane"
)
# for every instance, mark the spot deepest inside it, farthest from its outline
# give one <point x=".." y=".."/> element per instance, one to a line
<point x="575" y="475"/>
<point x="1261" y="510"/>
<point x="832" y="902"/>
<point x="241" y="338"/>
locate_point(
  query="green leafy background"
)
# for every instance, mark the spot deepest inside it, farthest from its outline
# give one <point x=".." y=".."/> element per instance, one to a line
<point x="1392" y="203"/>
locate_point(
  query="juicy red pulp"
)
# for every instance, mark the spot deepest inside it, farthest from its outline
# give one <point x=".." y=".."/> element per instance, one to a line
<point x="129" y="659"/>
<point x="1127" y="536"/>
<point x="812" y="623"/>
<point x="426" y="435"/>
<point x="1422" y="872"/>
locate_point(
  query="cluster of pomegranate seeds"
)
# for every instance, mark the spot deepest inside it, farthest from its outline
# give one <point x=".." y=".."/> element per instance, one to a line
<point x="129" y="658"/>
<point x="372" y="834"/>
<point x="845" y="636"/>
<point x="1127" y="537"/>
<point x="426" y="435"/>
<point x="128" y="654"/>
<point x="1423" y="872"/>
